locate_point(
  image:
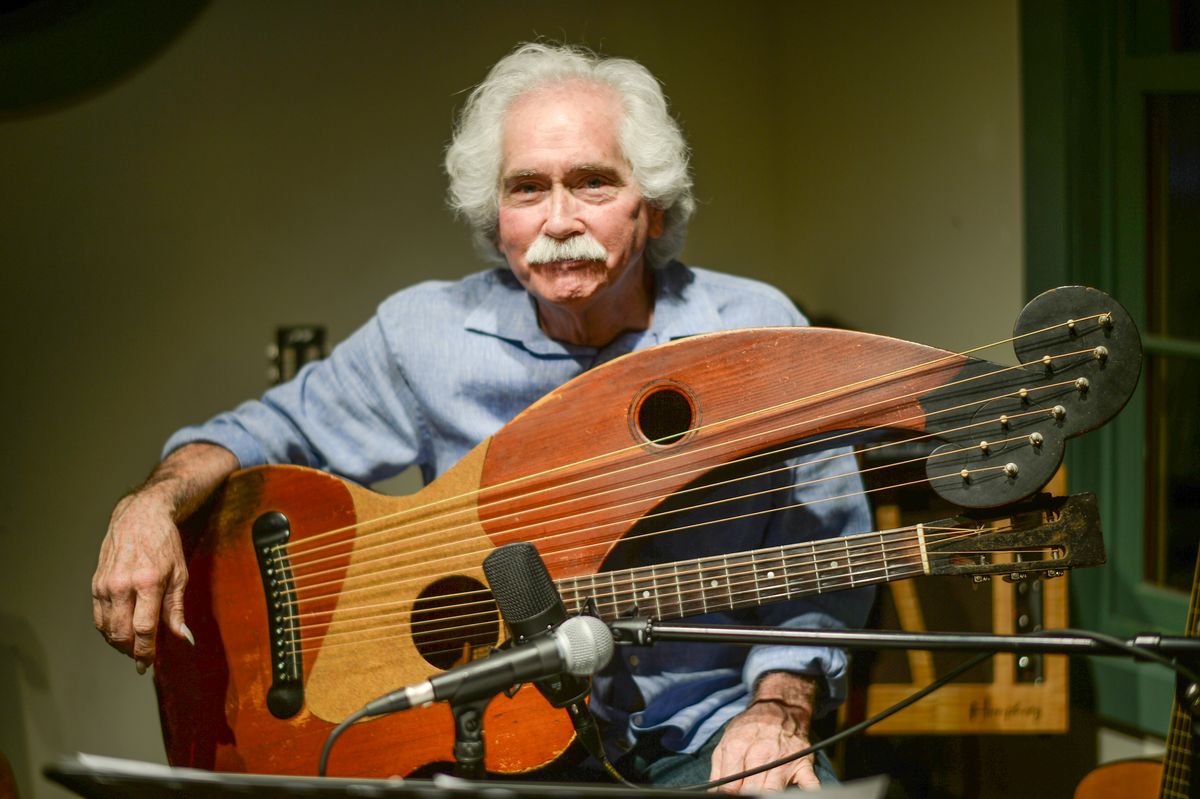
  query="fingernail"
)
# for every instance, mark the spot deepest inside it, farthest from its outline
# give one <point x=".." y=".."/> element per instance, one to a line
<point x="191" y="639"/>
<point x="141" y="667"/>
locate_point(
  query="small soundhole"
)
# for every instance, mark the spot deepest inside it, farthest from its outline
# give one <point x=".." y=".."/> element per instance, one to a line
<point x="665" y="415"/>
<point x="454" y="620"/>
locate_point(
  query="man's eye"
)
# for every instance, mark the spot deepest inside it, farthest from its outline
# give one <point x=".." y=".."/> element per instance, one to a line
<point x="594" y="183"/>
<point x="526" y="188"/>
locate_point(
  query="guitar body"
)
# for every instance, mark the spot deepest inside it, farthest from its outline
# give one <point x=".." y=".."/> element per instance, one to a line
<point x="309" y="596"/>
<point x="1125" y="779"/>
<point x="212" y="697"/>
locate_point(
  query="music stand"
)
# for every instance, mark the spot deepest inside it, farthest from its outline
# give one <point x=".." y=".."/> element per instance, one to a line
<point x="99" y="777"/>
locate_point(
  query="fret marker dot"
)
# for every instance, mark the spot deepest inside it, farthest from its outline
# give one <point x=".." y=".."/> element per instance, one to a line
<point x="645" y="594"/>
<point x="770" y="575"/>
<point x="715" y="583"/>
<point x="833" y="564"/>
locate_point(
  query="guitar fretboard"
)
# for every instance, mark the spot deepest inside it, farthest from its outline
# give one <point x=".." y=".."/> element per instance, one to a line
<point x="748" y="579"/>
<point x="1177" y="778"/>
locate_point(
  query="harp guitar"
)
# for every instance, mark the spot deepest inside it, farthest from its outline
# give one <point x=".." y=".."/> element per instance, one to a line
<point x="310" y="596"/>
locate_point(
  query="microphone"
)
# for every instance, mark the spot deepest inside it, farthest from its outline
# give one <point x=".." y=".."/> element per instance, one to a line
<point x="580" y="646"/>
<point x="531" y="606"/>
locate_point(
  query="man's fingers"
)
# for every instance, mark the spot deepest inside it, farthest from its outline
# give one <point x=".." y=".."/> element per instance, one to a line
<point x="118" y="624"/>
<point x="145" y="625"/>
<point x="728" y="758"/>
<point x="805" y="775"/>
<point x="172" y="607"/>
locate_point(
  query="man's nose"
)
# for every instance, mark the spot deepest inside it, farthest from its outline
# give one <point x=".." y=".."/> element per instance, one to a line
<point x="562" y="220"/>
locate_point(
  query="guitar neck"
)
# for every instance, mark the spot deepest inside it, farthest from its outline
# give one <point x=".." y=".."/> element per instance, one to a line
<point x="1047" y="535"/>
<point x="751" y="578"/>
<point x="1176" y="775"/>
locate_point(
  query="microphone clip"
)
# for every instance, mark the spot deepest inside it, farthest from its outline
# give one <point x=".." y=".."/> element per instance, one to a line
<point x="468" y="738"/>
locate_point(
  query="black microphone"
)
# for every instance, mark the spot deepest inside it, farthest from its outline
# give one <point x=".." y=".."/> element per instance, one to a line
<point x="581" y="645"/>
<point x="532" y="607"/>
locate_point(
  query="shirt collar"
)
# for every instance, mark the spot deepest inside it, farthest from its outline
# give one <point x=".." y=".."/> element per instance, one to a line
<point x="681" y="308"/>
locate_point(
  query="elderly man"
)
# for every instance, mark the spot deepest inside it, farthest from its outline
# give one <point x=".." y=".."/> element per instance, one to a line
<point x="571" y="170"/>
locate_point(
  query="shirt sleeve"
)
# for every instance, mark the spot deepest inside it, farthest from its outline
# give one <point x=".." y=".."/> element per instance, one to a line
<point x="353" y="413"/>
<point x="826" y="501"/>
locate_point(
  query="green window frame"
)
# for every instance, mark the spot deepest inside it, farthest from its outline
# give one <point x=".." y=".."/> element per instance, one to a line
<point x="1086" y="76"/>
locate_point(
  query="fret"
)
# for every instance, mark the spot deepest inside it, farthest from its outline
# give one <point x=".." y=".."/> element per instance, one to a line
<point x="675" y="593"/>
<point x="714" y="584"/>
<point x="906" y="554"/>
<point x="612" y="582"/>
<point x="742" y="580"/>
<point x="591" y="593"/>
<point x="849" y="562"/>
<point x="568" y="589"/>
<point x="658" y="613"/>
<point x="635" y="599"/>
<point x="691" y="598"/>
<point x="770" y="576"/>
<point x="833" y="572"/>
<point x="787" y="583"/>
<point x="883" y="556"/>
<point x="730" y="586"/>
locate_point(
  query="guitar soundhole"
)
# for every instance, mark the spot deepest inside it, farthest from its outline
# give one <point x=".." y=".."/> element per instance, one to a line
<point x="454" y="620"/>
<point x="665" y="414"/>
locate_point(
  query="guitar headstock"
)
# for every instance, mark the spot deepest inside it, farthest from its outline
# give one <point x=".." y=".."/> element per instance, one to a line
<point x="1006" y="427"/>
<point x="1045" y="536"/>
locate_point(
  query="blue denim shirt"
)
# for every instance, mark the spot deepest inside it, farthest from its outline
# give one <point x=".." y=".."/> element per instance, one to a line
<point x="443" y="365"/>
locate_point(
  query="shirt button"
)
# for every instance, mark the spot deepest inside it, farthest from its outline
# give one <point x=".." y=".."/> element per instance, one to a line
<point x="633" y="661"/>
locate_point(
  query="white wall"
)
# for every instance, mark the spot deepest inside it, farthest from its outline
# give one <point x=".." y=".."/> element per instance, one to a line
<point x="280" y="163"/>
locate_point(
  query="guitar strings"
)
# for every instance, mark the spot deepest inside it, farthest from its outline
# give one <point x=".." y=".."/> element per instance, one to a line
<point x="300" y="547"/>
<point x="340" y="586"/>
<point x="303" y="576"/>
<point x="987" y="375"/>
<point x="842" y="540"/>
<point x="361" y="551"/>
<point x="799" y="583"/>
<point x="843" y="545"/>
<point x="298" y="562"/>
<point x="841" y="390"/>
<point x="615" y="587"/>
<point x="343" y="592"/>
<point x="696" y="577"/>
<point x="360" y="618"/>
<point x="482" y="593"/>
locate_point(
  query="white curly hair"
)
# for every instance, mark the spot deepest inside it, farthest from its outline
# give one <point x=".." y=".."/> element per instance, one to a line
<point x="650" y="139"/>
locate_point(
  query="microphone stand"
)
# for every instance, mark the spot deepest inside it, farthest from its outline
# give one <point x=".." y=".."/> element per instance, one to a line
<point x="646" y="632"/>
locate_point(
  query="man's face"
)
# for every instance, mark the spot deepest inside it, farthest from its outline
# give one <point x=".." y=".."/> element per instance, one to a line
<point x="564" y="179"/>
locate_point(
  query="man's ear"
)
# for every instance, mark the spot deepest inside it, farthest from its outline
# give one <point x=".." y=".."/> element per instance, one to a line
<point x="655" y="228"/>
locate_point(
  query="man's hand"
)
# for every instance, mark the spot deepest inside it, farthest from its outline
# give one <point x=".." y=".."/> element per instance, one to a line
<point x="140" y="577"/>
<point x="141" y="572"/>
<point x="775" y="724"/>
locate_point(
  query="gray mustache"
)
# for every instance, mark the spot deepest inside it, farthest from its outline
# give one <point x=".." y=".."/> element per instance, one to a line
<point x="577" y="248"/>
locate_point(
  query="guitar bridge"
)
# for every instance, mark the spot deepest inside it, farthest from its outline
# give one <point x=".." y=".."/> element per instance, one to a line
<point x="270" y="534"/>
